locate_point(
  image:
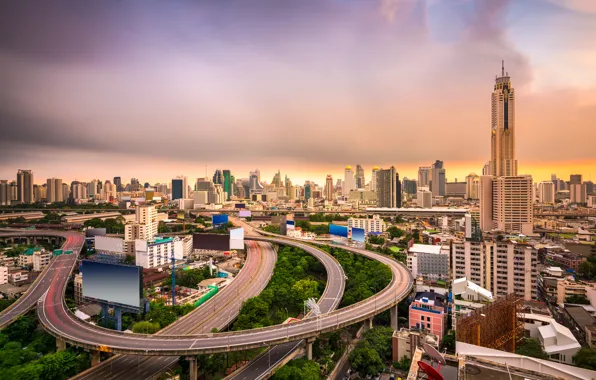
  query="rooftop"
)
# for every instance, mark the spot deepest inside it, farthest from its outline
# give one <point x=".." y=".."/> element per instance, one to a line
<point x="581" y="317"/>
<point x="425" y="248"/>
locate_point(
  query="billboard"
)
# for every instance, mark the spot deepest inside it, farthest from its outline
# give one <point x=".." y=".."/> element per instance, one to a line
<point x="92" y="232"/>
<point x="290" y="225"/>
<point x="216" y="242"/>
<point x="358" y="234"/>
<point x="219" y="219"/>
<point x="244" y="214"/>
<point x="109" y="244"/>
<point x="237" y="238"/>
<point x="240" y="205"/>
<point x="113" y="283"/>
<point x="336" y="230"/>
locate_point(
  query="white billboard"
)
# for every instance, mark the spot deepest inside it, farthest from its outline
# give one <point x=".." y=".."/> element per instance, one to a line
<point x="244" y="214"/>
<point x="237" y="238"/>
<point x="109" y="244"/>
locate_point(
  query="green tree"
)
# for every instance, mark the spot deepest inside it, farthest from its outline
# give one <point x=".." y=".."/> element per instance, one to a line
<point x="94" y="223"/>
<point x="448" y="341"/>
<point x="404" y="364"/>
<point x="299" y="369"/>
<point x="577" y="299"/>
<point x="531" y="347"/>
<point x="145" y="327"/>
<point x="379" y="339"/>
<point x="366" y="360"/>
<point x="305" y="289"/>
<point x="585" y="358"/>
<point x="395" y="232"/>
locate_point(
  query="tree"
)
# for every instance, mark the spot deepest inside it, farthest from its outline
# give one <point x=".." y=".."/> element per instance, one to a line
<point x="531" y="347"/>
<point x="379" y="339"/>
<point x="577" y="299"/>
<point x="366" y="360"/>
<point x="395" y="232"/>
<point x="299" y="369"/>
<point x="585" y="358"/>
<point x="404" y="364"/>
<point x="448" y="341"/>
<point x="145" y="327"/>
<point x="305" y="289"/>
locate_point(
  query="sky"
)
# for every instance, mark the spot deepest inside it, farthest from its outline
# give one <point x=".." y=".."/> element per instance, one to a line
<point x="155" y="89"/>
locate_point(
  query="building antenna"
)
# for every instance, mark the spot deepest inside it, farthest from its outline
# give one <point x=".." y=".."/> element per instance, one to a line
<point x="503" y="68"/>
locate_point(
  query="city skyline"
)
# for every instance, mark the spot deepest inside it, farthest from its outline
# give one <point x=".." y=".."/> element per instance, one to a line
<point x="171" y="96"/>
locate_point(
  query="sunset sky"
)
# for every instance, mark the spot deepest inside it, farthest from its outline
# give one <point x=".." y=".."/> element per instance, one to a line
<point x="154" y="89"/>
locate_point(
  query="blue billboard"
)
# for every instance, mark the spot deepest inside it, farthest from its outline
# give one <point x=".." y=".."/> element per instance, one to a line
<point x="338" y="230"/>
<point x="219" y="219"/>
<point x="358" y="234"/>
<point x="112" y="283"/>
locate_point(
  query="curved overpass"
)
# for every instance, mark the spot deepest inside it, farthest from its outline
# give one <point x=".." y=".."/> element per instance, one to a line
<point x="61" y="323"/>
<point x="64" y="263"/>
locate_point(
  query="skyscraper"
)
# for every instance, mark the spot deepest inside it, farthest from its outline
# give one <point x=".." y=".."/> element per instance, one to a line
<point x="360" y="181"/>
<point x="329" y="188"/>
<point x="512" y="204"/>
<point x="424" y="176"/>
<point x="118" y="184"/>
<point x="373" y="179"/>
<point x="228" y="184"/>
<point x="546" y="192"/>
<point x="472" y="186"/>
<point x="179" y="188"/>
<point x="349" y="181"/>
<point x="24" y="186"/>
<point x="388" y="188"/>
<point x="4" y="193"/>
<point x="503" y="162"/>
<point x="437" y="186"/>
<point x="276" y="180"/>
<point x="217" y="177"/>
<point x="54" y="190"/>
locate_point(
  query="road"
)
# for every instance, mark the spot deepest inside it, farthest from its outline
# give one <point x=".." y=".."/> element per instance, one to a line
<point x="62" y="264"/>
<point x="62" y="323"/>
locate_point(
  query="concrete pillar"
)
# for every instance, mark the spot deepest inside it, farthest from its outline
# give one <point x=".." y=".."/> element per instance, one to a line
<point x="95" y="358"/>
<point x="193" y="369"/>
<point x="60" y="345"/>
<point x="393" y="317"/>
<point x="309" y="343"/>
<point x="368" y="324"/>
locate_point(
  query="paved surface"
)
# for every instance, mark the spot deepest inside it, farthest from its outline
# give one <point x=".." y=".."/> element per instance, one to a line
<point x="73" y="241"/>
<point x="215" y="313"/>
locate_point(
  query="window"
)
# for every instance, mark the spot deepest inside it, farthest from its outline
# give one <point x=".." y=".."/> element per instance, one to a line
<point x="428" y="325"/>
<point x="428" y="319"/>
<point x="422" y="317"/>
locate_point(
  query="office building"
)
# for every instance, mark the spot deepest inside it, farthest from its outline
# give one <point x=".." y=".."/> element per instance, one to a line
<point x="424" y="176"/>
<point x="360" y="181"/>
<point x="430" y="262"/>
<point x="78" y="191"/>
<point x="455" y="189"/>
<point x="179" y="188"/>
<point x="546" y="192"/>
<point x="503" y="161"/>
<point x="409" y="186"/>
<point x="424" y="198"/>
<point x="373" y="178"/>
<point x="25" y="186"/>
<point x="349" y="183"/>
<point x="473" y="186"/>
<point x="144" y="227"/>
<point x="501" y="267"/>
<point x="118" y="184"/>
<point x="375" y="225"/>
<point x="217" y="177"/>
<point x="388" y="188"/>
<point x="4" y="193"/>
<point x="54" y="191"/>
<point x="307" y="191"/>
<point x="329" y="187"/>
<point x="577" y="193"/>
<point x="438" y="180"/>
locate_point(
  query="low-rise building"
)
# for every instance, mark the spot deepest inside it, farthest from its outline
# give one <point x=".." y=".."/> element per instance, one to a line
<point x="405" y="341"/>
<point x="41" y="259"/>
<point x="428" y="312"/>
<point x="375" y="225"/>
<point x="3" y="275"/>
<point x="558" y="342"/>
<point x="18" y="278"/>
<point x="568" y="287"/>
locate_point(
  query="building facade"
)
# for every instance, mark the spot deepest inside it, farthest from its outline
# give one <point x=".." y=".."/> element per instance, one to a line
<point x="373" y="225"/>
<point x="388" y="188"/>
<point x="503" y="161"/>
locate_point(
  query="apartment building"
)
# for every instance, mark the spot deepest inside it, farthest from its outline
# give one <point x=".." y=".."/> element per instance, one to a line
<point x="429" y="261"/>
<point x="501" y="267"/>
<point x="428" y="312"/>
<point x="40" y="260"/>
<point x="144" y="227"/>
<point x="374" y="225"/>
<point x="157" y="252"/>
<point x="3" y="275"/>
<point x="78" y="289"/>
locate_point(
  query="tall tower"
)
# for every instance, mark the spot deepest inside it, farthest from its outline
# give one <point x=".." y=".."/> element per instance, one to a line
<point x="349" y="181"/>
<point x="329" y="188"/>
<point x="502" y="159"/>
<point x="388" y="188"/>
<point x="25" y="186"/>
<point x="359" y="177"/>
<point x="373" y="178"/>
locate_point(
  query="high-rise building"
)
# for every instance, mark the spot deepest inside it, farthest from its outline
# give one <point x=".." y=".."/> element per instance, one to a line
<point x="373" y="179"/>
<point x="424" y="198"/>
<point x="118" y="184"/>
<point x="329" y="187"/>
<point x="179" y="188"/>
<point x="409" y="186"/>
<point x="388" y="188"/>
<point x="360" y="181"/>
<point x="254" y="180"/>
<point x="143" y="228"/>
<point x="546" y="192"/>
<point x="4" y="193"/>
<point x="92" y="188"/>
<point x="25" y="186"/>
<point x="577" y="193"/>
<point x="65" y="192"/>
<point x="228" y="184"/>
<point x="437" y="186"/>
<point x="39" y="193"/>
<point x="54" y="191"/>
<point x="589" y="187"/>
<point x="135" y="185"/>
<point x="276" y="182"/>
<point x="307" y="191"/>
<point x="424" y="176"/>
<point x="503" y="161"/>
<point x="472" y="186"/>
<point x="575" y="179"/>
<point x="349" y="181"/>
<point x="217" y="177"/>
<point x="512" y="204"/>
<point x="78" y="190"/>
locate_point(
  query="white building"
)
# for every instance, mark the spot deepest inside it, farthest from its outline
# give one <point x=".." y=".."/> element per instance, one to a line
<point x="501" y="267"/>
<point x="428" y="261"/>
<point x="41" y="259"/>
<point x="424" y="198"/>
<point x="472" y="186"/>
<point x="375" y="225"/>
<point x="506" y="204"/>
<point x="78" y="288"/>
<point x="558" y="342"/>
<point x="144" y="227"/>
<point x="158" y="251"/>
<point x="349" y="181"/>
<point x="3" y="275"/>
<point x="546" y="192"/>
<point x="469" y="291"/>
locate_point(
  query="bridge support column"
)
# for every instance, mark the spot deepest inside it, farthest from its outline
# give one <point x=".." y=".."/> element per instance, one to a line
<point x="309" y="342"/>
<point x="60" y="345"/>
<point x="193" y="369"/>
<point x="393" y="317"/>
<point x="368" y="324"/>
<point x="95" y="358"/>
